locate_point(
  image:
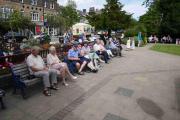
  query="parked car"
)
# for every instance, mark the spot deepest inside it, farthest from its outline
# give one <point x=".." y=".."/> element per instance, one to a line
<point x="10" y="36"/>
<point x="43" y="37"/>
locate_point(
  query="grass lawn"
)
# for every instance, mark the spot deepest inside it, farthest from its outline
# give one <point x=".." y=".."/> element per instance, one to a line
<point x="167" y="48"/>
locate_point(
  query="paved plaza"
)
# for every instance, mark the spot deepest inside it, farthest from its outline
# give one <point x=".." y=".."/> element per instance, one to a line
<point x="141" y="85"/>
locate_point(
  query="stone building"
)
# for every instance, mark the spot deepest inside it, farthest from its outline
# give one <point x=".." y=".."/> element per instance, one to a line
<point x="36" y="10"/>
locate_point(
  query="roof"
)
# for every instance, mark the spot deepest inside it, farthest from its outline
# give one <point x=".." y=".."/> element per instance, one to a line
<point x="82" y="24"/>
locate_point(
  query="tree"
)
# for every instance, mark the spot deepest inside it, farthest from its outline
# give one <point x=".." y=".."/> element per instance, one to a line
<point x="15" y="22"/>
<point x="70" y="16"/>
<point x="166" y="14"/>
<point x="112" y="17"/>
<point x="65" y="18"/>
<point x="56" y="21"/>
<point x="151" y="20"/>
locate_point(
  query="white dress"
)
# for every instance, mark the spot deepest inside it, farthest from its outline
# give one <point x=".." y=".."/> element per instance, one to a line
<point x="128" y="45"/>
<point x="133" y="45"/>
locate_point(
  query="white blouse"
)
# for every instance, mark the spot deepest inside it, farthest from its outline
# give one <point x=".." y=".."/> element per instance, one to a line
<point x="52" y="59"/>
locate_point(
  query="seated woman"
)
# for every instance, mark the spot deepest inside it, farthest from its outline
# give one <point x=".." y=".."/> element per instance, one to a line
<point x="100" y="50"/>
<point x="54" y="63"/>
<point x="112" y="46"/>
<point x="104" y="47"/>
<point x="89" y="53"/>
<point x="85" y="56"/>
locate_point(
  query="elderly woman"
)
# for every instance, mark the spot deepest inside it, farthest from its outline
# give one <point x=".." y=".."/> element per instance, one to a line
<point x="54" y="63"/>
<point x="100" y="50"/>
<point x="91" y="55"/>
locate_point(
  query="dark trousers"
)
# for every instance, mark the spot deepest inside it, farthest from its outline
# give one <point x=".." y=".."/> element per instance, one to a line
<point x="104" y="54"/>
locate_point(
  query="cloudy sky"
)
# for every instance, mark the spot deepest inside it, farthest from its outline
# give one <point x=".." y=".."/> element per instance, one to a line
<point x="131" y="6"/>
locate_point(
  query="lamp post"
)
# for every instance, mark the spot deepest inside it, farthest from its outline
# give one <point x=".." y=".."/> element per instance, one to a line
<point x="43" y="3"/>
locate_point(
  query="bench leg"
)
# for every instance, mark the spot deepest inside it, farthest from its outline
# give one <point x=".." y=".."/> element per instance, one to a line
<point x="14" y="91"/>
<point x="23" y="93"/>
<point x="2" y="103"/>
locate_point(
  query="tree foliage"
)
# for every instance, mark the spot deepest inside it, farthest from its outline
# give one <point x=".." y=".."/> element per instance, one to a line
<point x="66" y="17"/>
<point x="162" y="17"/>
<point x="112" y="17"/>
<point x="151" y="20"/>
<point x="70" y="15"/>
<point x="15" y="22"/>
<point x="55" y="21"/>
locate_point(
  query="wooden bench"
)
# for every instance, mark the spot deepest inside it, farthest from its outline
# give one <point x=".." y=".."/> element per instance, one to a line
<point x="22" y="78"/>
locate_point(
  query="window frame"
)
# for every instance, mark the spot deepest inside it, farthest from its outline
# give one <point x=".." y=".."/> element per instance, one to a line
<point x="34" y="16"/>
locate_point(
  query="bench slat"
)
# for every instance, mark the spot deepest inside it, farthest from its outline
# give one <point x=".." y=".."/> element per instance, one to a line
<point x="32" y="81"/>
<point x="22" y="71"/>
<point x="19" y="67"/>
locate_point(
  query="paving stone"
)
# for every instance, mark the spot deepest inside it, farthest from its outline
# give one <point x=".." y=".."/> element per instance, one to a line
<point x="110" y="116"/>
<point x="124" y="91"/>
<point x="160" y="69"/>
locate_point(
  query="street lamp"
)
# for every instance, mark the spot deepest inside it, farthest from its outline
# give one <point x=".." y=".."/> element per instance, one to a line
<point x="43" y="3"/>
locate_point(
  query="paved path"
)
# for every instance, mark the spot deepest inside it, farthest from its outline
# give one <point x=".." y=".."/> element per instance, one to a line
<point x="142" y="85"/>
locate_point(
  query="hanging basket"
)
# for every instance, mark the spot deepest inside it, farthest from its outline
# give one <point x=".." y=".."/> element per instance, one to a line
<point x="45" y="46"/>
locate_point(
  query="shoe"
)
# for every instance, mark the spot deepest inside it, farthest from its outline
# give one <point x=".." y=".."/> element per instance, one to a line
<point x="65" y="84"/>
<point x="54" y="88"/>
<point x="81" y="73"/>
<point x="74" y="78"/>
<point x="46" y="93"/>
<point x="101" y="61"/>
<point x="94" y="71"/>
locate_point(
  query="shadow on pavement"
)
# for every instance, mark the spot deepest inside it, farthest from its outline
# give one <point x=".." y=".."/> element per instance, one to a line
<point x="177" y="92"/>
<point x="150" y="107"/>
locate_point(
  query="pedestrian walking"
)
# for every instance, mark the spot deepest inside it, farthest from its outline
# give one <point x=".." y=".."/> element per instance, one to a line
<point x="139" y="39"/>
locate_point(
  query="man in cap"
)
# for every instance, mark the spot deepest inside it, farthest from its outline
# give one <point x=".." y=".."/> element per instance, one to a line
<point x="73" y="56"/>
<point x="38" y="68"/>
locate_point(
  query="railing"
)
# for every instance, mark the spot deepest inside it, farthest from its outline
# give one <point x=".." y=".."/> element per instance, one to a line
<point x="18" y="58"/>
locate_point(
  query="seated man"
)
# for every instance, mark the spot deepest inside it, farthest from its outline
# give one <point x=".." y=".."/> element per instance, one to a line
<point x="164" y="39"/>
<point x="79" y="62"/>
<point x="112" y="46"/>
<point x="38" y="68"/>
<point x="98" y="48"/>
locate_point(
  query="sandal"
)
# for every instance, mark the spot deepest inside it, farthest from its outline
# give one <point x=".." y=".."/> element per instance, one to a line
<point x="80" y="73"/>
<point x="46" y="93"/>
<point x="65" y="84"/>
<point x="54" y="88"/>
<point x="94" y="71"/>
<point x="74" y="78"/>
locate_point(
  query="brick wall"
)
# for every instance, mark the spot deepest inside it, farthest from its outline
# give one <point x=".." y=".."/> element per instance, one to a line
<point x="28" y="8"/>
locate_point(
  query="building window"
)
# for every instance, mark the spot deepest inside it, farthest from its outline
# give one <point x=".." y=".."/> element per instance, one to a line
<point x="77" y="31"/>
<point x="5" y="12"/>
<point x="22" y="12"/>
<point x="52" y="5"/>
<point x="21" y="1"/>
<point x="33" y="2"/>
<point x="35" y="16"/>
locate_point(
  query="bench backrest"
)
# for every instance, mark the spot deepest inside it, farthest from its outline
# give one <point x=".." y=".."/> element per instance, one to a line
<point x="20" y="70"/>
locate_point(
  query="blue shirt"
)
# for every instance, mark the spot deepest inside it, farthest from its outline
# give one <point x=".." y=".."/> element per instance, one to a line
<point x="139" y="36"/>
<point x="73" y="53"/>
